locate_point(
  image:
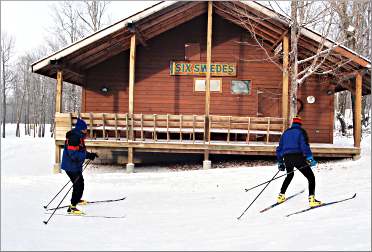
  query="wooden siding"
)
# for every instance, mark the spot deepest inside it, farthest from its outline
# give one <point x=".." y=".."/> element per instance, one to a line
<point x="317" y="117"/>
<point x="157" y="92"/>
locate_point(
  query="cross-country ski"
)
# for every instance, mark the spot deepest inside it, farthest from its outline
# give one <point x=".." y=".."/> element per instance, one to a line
<point x="277" y="204"/>
<point x="88" y="216"/>
<point x="322" y="205"/>
<point x="91" y="202"/>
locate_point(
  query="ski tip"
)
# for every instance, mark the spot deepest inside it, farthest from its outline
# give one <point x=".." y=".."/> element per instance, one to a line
<point x="354" y="195"/>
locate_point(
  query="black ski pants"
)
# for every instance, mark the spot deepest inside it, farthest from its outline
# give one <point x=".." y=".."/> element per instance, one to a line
<point x="78" y="186"/>
<point x="297" y="160"/>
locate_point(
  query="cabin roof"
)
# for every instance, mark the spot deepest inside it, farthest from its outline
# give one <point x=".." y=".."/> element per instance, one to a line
<point x="269" y="25"/>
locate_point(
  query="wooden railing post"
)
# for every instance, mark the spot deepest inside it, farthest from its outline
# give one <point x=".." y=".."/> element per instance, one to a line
<point x="358" y="110"/>
<point x="116" y="126"/>
<point x="57" y="164"/>
<point x="91" y="124"/>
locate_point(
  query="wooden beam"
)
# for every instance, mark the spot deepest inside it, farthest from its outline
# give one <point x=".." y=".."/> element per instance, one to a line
<point x="285" y="80"/>
<point x="134" y="30"/>
<point x="284" y="34"/>
<point x="59" y="91"/>
<point x="358" y="109"/>
<point x="312" y="47"/>
<point x="132" y="61"/>
<point x="132" y="64"/>
<point x="209" y="59"/>
<point x="257" y="30"/>
<point x="351" y="75"/>
<point x="245" y="10"/>
<point x="355" y="58"/>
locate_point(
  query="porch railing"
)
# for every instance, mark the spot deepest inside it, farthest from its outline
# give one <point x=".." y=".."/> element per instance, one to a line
<point x="168" y="127"/>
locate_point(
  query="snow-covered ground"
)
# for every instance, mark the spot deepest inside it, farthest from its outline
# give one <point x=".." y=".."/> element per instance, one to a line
<point x="184" y="210"/>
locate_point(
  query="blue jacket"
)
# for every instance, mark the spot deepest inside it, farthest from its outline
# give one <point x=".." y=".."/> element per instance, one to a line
<point x="293" y="140"/>
<point x="72" y="160"/>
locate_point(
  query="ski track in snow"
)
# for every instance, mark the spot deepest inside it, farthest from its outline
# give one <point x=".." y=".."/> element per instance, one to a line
<point x="186" y="210"/>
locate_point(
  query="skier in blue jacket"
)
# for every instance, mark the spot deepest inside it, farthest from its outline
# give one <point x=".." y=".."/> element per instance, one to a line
<point x="294" y="151"/>
<point x="74" y="154"/>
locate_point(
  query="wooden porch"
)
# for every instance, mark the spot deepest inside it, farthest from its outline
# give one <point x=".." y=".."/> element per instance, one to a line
<point x="180" y="133"/>
<point x="186" y="134"/>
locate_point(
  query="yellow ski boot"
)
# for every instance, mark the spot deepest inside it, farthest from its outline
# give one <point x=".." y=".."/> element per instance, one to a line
<point x="314" y="202"/>
<point x="73" y="210"/>
<point x="281" y="198"/>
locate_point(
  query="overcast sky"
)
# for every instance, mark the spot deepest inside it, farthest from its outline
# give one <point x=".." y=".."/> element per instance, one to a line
<point x="28" y="21"/>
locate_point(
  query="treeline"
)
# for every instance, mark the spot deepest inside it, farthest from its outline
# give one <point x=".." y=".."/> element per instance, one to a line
<point x="28" y="98"/>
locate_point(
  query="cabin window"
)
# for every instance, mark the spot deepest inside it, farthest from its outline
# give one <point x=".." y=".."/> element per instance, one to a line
<point x="241" y="87"/>
<point x="215" y="85"/>
<point x="192" y="51"/>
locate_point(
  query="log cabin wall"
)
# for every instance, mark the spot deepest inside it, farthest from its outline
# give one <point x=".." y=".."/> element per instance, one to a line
<point x="158" y="92"/>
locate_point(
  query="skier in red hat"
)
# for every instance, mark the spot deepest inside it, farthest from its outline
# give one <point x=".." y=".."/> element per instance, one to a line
<point x="294" y="151"/>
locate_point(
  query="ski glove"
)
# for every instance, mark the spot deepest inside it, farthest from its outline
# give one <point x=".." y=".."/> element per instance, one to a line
<point x="281" y="166"/>
<point x="310" y="161"/>
<point x="91" y="155"/>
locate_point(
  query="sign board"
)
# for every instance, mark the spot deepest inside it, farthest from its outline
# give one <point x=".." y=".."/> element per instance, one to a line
<point x="191" y="68"/>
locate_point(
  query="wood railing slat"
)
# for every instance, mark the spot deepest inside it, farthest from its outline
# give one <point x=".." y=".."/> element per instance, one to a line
<point x="111" y="124"/>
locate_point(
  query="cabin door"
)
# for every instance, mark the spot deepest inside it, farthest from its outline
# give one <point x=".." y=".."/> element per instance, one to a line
<point x="268" y="103"/>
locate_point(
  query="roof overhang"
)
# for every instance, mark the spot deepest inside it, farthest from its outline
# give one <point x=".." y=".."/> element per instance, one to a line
<point x="99" y="35"/>
<point x="76" y="58"/>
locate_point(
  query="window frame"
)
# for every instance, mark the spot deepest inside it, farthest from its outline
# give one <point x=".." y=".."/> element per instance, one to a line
<point x="249" y="89"/>
<point x="214" y="91"/>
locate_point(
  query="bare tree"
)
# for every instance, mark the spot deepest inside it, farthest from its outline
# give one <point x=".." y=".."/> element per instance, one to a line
<point x="92" y="14"/>
<point x="354" y="25"/>
<point x="67" y="29"/>
<point x="303" y="15"/>
<point x="7" y="46"/>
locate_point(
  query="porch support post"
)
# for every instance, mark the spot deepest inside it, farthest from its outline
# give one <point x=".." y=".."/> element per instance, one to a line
<point x="132" y="61"/>
<point x="57" y="164"/>
<point x="285" y="81"/>
<point x="358" y="109"/>
<point x="207" y="162"/>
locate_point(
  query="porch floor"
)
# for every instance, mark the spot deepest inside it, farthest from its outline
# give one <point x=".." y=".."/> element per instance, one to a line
<point x="217" y="147"/>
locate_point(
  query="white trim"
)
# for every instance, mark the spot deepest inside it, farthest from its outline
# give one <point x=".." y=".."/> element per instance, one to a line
<point x="263" y="9"/>
<point x="98" y="35"/>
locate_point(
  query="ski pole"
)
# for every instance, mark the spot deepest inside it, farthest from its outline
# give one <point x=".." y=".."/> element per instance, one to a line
<point x="85" y="165"/>
<point x="46" y="222"/>
<point x="275" y="178"/>
<point x="257" y="196"/>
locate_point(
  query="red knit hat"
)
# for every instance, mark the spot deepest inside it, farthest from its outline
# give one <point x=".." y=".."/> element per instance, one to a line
<point x="297" y="119"/>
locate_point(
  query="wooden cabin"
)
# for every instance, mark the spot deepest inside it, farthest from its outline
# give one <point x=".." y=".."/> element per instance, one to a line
<point x="147" y="88"/>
